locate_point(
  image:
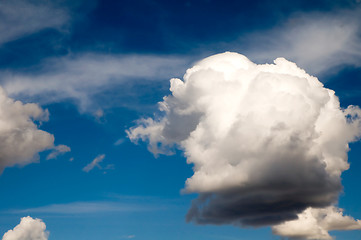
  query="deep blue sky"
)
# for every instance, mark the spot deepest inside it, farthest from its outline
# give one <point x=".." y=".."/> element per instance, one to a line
<point x="135" y="194"/>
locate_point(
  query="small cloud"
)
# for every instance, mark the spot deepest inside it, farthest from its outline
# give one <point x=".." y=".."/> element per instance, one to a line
<point x="314" y="223"/>
<point x="71" y="159"/>
<point x="58" y="150"/>
<point x="89" y="208"/>
<point x="99" y="113"/>
<point x="110" y="167"/>
<point x="119" y="142"/>
<point x="94" y="163"/>
<point x="128" y="237"/>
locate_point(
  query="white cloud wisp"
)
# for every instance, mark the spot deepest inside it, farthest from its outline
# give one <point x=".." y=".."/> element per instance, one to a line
<point x="266" y="141"/>
<point x="319" y="42"/>
<point x="94" y="163"/>
<point x="19" y="18"/>
<point x="28" y="229"/>
<point x="82" y="76"/>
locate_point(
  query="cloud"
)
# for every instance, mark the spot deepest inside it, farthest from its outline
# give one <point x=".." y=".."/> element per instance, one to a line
<point x="80" y="77"/>
<point x="315" y="223"/>
<point x="266" y="141"/>
<point x="305" y="39"/>
<point x="120" y="205"/>
<point x="58" y="150"/>
<point x="19" y="18"/>
<point x="128" y="237"/>
<point x="94" y="163"/>
<point x="120" y="141"/>
<point x="20" y="138"/>
<point x="28" y="229"/>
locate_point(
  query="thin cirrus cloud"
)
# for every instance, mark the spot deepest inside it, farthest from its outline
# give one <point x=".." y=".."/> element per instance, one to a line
<point x="81" y="76"/>
<point x="83" y="208"/>
<point x="95" y="163"/>
<point x="19" y="18"/>
<point x="21" y="139"/>
<point x="28" y="229"/>
<point x="317" y="41"/>
<point x="267" y="141"/>
<point x="135" y="204"/>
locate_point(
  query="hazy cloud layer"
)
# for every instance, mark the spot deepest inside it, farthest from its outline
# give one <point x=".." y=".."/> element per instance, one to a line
<point x="19" y="18"/>
<point x="20" y="138"/>
<point x="316" y="41"/>
<point x="80" y="77"/>
<point x="28" y="229"/>
<point x="266" y="141"/>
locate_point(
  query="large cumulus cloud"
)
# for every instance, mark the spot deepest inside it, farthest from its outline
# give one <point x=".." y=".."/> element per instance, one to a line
<point x="28" y="229"/>
<point x="20" y="138"/>
<point x="266" y="141"/>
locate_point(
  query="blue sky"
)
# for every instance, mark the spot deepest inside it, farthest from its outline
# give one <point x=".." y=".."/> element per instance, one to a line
<point x="100" y="66"/>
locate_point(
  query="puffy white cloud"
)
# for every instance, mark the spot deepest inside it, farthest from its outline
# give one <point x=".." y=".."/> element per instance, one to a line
<point x="314" y="223"/>
<point x="28" y="229"/>
<point x="266" y="141"/>
<point x="19" y="18"/>
<point x="82" y="76"/>
<point x="305" y="39"/>
<point x="20" y="138"/>
<point x="94" y="163"/>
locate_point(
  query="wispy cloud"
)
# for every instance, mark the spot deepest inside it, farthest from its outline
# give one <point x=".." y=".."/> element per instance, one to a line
<point x="316" y="41"/>
<point x="19" y="18"/>
<point x="87" y="208"/>
<point x="58" y="150"/>
<point x="127" y="237"/>
<point x="82" y="76"/>
<point x="94" y="163"/>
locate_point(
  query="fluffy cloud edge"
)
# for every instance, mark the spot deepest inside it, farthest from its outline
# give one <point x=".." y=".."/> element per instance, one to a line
<point x="228" y="106"/>
<point x="28" y="229"/>
<point x="21" y="139"/>
<point x="315" y="223"/>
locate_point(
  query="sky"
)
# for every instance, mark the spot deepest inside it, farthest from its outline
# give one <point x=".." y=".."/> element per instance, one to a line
<point x="196" y="120"/>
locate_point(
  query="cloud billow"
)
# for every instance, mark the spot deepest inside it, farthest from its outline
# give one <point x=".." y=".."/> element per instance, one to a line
<point x="266" y="141"/>
<point x="20" y="138"/>
<point x="28" y="229"/>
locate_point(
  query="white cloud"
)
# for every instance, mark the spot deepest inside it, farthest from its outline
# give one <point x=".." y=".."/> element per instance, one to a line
<point x="82" y="76"/>
<point x="81" y="208"/>
<point x="128" y="237"/>
<point x="28" y="229"/>
<point x="317" y="41"/>
<point x="120" y="141"/>
<point x="314" y="223"/>
<point x="19" y="18"/>
<point x="120" y="205"/>
<point x="94" y="163"/>
<point x="58" y="150"/>
<point x="266" y="141"/>
<point x="20" y="138"/>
